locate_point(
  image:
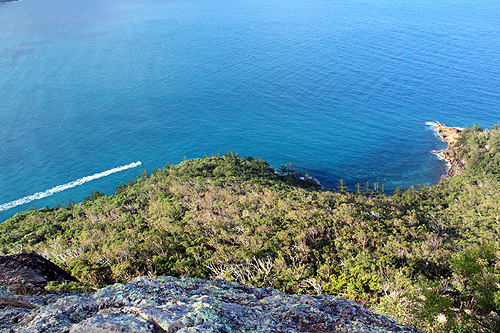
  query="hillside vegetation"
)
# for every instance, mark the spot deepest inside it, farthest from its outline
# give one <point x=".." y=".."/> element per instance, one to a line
<point x="426" y="256"/>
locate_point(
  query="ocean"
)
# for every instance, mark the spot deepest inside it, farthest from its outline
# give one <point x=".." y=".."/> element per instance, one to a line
<point x="94" y="92"/>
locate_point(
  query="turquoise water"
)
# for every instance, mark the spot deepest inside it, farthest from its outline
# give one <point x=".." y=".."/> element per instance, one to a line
<point x="342" y="89"/>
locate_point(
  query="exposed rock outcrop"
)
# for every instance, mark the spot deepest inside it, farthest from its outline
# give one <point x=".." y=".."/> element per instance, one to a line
<point x="29" y="273"/>
<point x="449" y="135"/>
<point x="169" y="304"/>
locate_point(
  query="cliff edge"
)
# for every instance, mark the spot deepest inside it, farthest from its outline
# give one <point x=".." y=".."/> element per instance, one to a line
<point x="168" y="304"/>
<point x="29" y="273"/>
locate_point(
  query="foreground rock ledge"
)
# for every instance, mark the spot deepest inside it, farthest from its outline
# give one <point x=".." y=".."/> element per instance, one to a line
<point x="169" y="304"/>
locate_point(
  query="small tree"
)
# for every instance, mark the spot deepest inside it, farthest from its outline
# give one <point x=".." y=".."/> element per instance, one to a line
<point x="476" y="275"/>
<point x="341" y="185"/>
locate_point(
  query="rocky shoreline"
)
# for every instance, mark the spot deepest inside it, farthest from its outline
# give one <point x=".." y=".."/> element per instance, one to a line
<point x="449" y="135"/>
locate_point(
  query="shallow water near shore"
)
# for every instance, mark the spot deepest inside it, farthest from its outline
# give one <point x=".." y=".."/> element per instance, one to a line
<point x="342" y="89"/>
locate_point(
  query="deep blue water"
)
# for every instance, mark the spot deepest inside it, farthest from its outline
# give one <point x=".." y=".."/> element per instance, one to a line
<point x="340" y="88"/>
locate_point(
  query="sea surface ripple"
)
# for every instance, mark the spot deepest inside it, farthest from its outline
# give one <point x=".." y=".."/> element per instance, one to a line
<point x="342" y="89"/>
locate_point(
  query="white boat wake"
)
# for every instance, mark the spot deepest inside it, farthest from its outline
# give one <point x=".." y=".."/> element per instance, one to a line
<point x="60" y="188"/>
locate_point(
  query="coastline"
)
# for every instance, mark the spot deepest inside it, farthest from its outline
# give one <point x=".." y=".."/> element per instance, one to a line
<point x="450" y="135"/>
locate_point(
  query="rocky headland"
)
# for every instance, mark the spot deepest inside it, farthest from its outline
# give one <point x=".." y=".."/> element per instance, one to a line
<point x="169" y="304"/>
<point x="449" y="135"/>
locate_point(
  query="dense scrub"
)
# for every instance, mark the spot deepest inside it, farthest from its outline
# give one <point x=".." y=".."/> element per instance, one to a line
<point x="427" y="256"/>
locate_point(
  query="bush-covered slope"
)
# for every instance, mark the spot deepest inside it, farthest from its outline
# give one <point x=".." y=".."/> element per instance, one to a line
<point x="428" y="256"/>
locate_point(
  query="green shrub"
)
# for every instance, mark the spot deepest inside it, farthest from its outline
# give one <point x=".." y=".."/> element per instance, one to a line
<point x="62" y="287"/>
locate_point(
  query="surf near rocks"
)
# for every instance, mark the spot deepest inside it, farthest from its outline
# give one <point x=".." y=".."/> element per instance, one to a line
<point x="450" y="135"/>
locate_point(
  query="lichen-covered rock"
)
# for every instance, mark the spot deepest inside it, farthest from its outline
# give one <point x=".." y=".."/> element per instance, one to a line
<point x="4" y="291"/>
<point x="169" y="304"/>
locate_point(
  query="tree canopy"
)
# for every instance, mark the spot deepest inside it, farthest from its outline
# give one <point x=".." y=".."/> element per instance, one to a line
<point x="428" y="256"/>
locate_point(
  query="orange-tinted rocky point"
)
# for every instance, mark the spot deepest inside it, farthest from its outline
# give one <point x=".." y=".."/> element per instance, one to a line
<point x="449" y="135"/>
